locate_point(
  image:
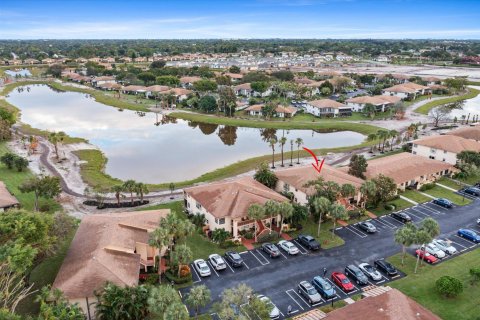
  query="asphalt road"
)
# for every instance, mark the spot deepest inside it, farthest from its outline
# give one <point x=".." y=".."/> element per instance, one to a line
<point x="278" y="278"/>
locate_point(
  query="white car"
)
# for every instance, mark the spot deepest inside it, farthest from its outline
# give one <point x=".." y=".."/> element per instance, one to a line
<point x="274" y="312"/>
<point x="217" y="262"/>
<point x="370" y="271"/>
<point x="202" y="268"/>
<point x="434" y="251"/>
<point x="289" y="247"/>
<point x="444" y="246"/>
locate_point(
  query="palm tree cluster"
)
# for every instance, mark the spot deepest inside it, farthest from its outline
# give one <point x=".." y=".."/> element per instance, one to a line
<point x="270" y="210"/>
<point x="130" y="186"/>
<point x="383" y="138"/>
<point x="281" y="142"/>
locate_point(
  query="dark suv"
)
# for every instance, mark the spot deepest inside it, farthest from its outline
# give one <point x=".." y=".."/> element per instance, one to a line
<point x="234" y="259"/>
<point x="386" y="267"/>
<point x="472" y="191"/>
<point x="401" y="216"/>
<point x="356" y="274"/>
<point x="271" y="250"/>
<point x="308" y="242"/>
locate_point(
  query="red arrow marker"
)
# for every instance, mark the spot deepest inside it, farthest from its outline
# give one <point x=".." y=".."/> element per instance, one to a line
<point x="315" y="165"/>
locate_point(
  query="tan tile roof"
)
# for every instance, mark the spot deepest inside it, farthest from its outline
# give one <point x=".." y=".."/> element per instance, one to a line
<point x="404" y="167"/>
<point x="234" y="75"/>
<point x="103" y="78"/>
<point x="431" y="79"/>
<point x="178" y="91"/>
<point x="6" y="199"/>
<point x="243" y="86"/>
<point x="326" y="103"/>
<point x="284" y="109"/>
<point x="255" y="107"/>
<point x="467" y="133"/>
<point x="189" y="79"/>
<point x="375" y="100"/>
<point x="451" y="143"/>
<point x="157" y="88"/>
<point x="303" y="80"/>
<point x="110" y="85"/>
<point x="134" y="88"/>
<point x="299" y="176"/>
<point x="391" y="305"/>
<point x="232" y="198"/>
<point x="409" y="87"/>
<point x="101" y="251"/>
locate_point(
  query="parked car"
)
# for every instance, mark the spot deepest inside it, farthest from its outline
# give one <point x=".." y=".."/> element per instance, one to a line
<point x="370" y="271"/>
<point x="425" y="256"/>
<point x="202" y="268"/>
<point x="356" y="274"/>
<point x="401" y="216"/>
<point x="271" y="250"/>
<point x="478" y="222"/>
<point x="433" y="250"/>
<point x="308" y="292"/>
<point x="289" y="247"/>
<point x="324" y="287"/>
<point x="368" y="227"/>
<point x="444" y="246"/>
<point x="217" y="262"/>
<point x="234" y="259"/>
<point x="342" y="281"/>
<point x="308" y="242"/>
<point x="274" y="312"/>
<point x="386" y="267"/>
<point x="469" y="235"/>
<point x="443" y="202"/>
<point x="472" y="191"/>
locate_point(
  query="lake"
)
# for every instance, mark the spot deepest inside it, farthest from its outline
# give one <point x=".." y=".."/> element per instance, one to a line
<point x="19" y="73"/>
<point x="471" y="106"/>
<point x="153" y="148"/>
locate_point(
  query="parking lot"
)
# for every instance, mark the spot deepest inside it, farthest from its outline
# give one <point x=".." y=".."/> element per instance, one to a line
<point x="278" y="277"/>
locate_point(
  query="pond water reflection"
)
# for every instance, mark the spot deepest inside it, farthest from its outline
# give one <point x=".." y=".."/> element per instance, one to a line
<point x="154" y="148"/>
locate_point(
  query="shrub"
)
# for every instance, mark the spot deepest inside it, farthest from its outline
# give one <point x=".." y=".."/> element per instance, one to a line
<point x="152" y="278"/>
<point x="248" y="235"/>
<point x="449" y="286"/>
<point x="267" y="237"/>
<point x="427" y="186"/>
<point x="172" y="276"/>
<point x="475" y="273"/>
<point x="389" y="207"/>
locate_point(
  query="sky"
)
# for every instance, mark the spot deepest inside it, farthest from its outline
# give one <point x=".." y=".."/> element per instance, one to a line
<point x="227" y="19"/>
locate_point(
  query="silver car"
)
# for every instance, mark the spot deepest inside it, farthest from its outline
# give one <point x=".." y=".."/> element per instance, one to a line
<point x="202" y="268"/>
<point x="306" y="290"/>
<point x="370" y="271"/>
<point x="444" y="246"/>
<point x="274" y="312"/>
<point x="433" y="250"/>
<point x="289" y="247"/>
<point x="217" y="262"/>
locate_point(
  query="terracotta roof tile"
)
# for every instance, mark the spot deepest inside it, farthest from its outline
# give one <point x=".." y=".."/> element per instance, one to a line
<point x="451" y="143"/>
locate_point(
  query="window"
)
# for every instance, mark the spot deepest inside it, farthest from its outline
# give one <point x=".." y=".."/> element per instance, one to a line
<point x="286" y="187"/>
<point x="220" y="221"/>
<point x="414" y="152"/>
<point x="199" y="206"/>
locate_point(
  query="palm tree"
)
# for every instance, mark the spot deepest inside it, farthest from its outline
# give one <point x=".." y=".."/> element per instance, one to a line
<point x="405" y="236"/>
<point x="383" y="135"/>
<point x="182" y="255"/>
<point x="130" y="186"/>
<point x="321" y="205"/>
<point x="159" y="239"/>
<point x="272" y="143"/>
<point x="55" y="138"/>
<point x="141" y="189"/>
<point x="393" y="135"/>
<point x="285" y="209"/>
<point x="421" y="237"/>
<point x="171" y="186"/>
<point x="372" y="137"/>
<point x="256" y="212"/>
<point x="282" y="142"/>
<point x="271" y="208"/>
<point x="368" y="190"/>
<point x="336" y="212"/>
<point x="299" y="142"/>
<point x="347" y="190"/>
<point x="431" y="227"/>
<point x="291" y="152"/>
<point x="160" y="298"/>
<point x="118" y="189"/>
<point x="176" y="311"/>
<point x="199" y="296"/>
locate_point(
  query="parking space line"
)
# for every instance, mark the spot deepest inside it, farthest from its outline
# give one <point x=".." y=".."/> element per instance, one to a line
<point x="262" y="263"/>
<point x="306" y="251"/>
<point x="229" y="266"/>
<point x="434" y="211"/>
<point x="458" y="244"/>
<point x="355" y="231"/>
<point x="333" y="283"/>
<point x="196" y="273"/>
<point x="413" y="214"/>
<point x="211" y="266"/>
<point x="387" y="222"/>
<point x="298" y="304"/>
<point x="436" y="206"/>
<point x="283" y="254"/>
<point x="420" y="212"/>
<point x="381" y="223"/>
<point x="246" y="265"/>
<point x="466" y="195"/>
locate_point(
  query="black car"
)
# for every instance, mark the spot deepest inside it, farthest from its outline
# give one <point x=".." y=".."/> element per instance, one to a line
<point x="472" y="191"/>
<point x="271" y="250"/>
<point x="356" y="274"/>
<point x="401" y="216"/>
<point x="368" y="227"/>
<point x="308" y="242"/>
<point x="234" y="258"/>
<point x="386" y="267"/>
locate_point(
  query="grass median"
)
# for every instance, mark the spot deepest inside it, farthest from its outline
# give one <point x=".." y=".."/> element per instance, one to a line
<point x="441" y="192"/>
<point x="425" y="109"/>
<point x="421" y="286"/>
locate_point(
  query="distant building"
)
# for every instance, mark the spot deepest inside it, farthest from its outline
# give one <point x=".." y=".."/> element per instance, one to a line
<point x="407" y="90"/>
<point x="7" y="200"/>
<point x="327" y="108"/>
<point x="443" y="147"/>
<point x="382" y="103"/>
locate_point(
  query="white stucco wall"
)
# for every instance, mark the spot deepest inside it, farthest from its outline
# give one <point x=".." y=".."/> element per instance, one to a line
<point x="436" y="154"/>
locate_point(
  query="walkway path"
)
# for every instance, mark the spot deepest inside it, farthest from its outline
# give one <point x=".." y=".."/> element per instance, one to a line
<point x="408" y="200"/>
<point x="444" y="186"/>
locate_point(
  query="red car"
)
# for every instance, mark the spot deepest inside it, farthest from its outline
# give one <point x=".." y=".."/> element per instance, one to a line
<point x="426" y="256"/>
<point x="342" y="281"/>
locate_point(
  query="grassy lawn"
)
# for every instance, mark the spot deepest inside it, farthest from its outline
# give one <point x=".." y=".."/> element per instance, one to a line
<point x="326" y="241"/>
<point x="320" y="124"/>
<point x="200" y="245"/>
<point x="415" y="196"/>
<point x="44" y="274"/>
<point x="450" y="183"/>
<point x="13" y="179"/>
<point x="399" y="204"/>
<point x="440" y="192"/>
<point x="471" y="180"/>
<point x="425" y="109"/>
<point x="421" y="288"/>
<point x="356" y="116"/>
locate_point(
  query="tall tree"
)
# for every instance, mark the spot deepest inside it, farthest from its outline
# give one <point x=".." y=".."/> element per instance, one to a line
<point x="160" y="297"/>
<point x="117" y="190"/>
<point x="159" y="239"/>
<point x="199" y="296"/>
<point x="119" y="303"/>
<point x="272" y="209"/>
<point x="141" y="189"/>
<point x="256" y="212"/>
<point x="130" y="186"/>
<point x="282" y="142"/>
<point x="272" y="143"/>
<point x="368" y="190"/>
<point x="358" y="166"/>
<point x="421" y="238"/>
<point x="405" y="236"/>
<point x="372" y="137"/>
<point x="182" y="255"/>
<point x="337" y="212"/>
<point x="347" y="190"/>
<point x="285" y="209"/>
<point x="46" y="187"/>
<point x="55" y="138"/>
<point x="321" y="205"/>
<point x="265" y="176"/>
